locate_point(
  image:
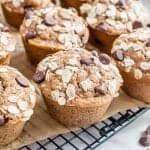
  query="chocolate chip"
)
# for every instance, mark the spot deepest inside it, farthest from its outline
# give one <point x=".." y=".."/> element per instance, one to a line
<point x="148" y="25"/>
<point x="145" y="141"/>
<point x="28" y="10"/>
<point x="147" y="44"/>
<point x="137" y="24"/>
<point x="39" y="77"/>
<point x="2" y="120"/>
<point x="54" y="1"/>
<point x="30" y="35"/>
<point x="87" y="61"/>
<point x="101" y="89"/>
<point x="104" y="59"/>
<point x="118" y="55"/>
<point x="121" y="4"/>
<point x="103" y="27"/>
<point x="49" y="20"/>
<point x="22" y="81"/>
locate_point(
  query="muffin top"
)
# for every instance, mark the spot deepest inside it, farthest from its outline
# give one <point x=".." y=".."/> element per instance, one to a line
<point x="115" y="16"/>
<point x="132" y="52"/>
<point x="7" y="42"/>
<point x="78" y="74"/>
<point x="55" y="27"/>
<point x="29" y="3"/>
<point x="17" y="97"/>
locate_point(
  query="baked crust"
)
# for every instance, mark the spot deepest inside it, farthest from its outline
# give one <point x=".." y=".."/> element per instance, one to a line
<point x="132" y="54"/>
<point x="17" y="101"/>
<point x="7" y="45"/>
<point x="78" y="85"/>
<point x="108" y="19"/>
<point x="67" y="30"/>
<point x="74" y="3"/>
<point x="14" y="15"/>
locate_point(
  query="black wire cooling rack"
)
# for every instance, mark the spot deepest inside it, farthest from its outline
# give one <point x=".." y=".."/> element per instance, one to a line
<point x="90" y="137"/>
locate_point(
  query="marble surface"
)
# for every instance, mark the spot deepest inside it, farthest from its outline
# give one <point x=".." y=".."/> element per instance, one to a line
<point x="127" y="138"/>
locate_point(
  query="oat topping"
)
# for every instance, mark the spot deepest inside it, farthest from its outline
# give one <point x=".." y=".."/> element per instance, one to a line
<point x="56" y="26"/>
<point x="17" y="100"/>
<point x="89" y="77"/>
<point x="7" y="42"/>
<point x="132" y="52"/>
<point x="30" y="3"/>
<point x="115" y="16"/>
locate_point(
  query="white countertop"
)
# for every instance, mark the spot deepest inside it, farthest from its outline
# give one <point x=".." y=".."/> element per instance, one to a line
<point x="127" y="138"/>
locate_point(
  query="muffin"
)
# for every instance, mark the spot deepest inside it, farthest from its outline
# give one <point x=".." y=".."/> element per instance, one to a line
<point x="14" y="10"/>
<point x="16" y="105"/>
<point x="74" y="3"/>
<point x="132" y="54"/>
<point x="52" y="29"/>
<point x="78" y="86"/>
<point x="7" y="45"/>
<point x="108" y="19"/>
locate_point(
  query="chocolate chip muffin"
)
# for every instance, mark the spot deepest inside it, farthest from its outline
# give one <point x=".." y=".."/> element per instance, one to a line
<point x="110" y="18"/>
<point x="74" y="3"/>
<point x="132" y="54"/>
<point x="7" y="45"/>
<point x="52" y="29"/>
<point x="78" y="85"/>
<point x="17" y="101"/>
<point x="15" y="10"/>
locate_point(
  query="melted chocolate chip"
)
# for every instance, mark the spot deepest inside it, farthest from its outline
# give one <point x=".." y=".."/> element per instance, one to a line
<point x="148" y="25"/>
<point x="28" y="11"/>
<point x="147" y="44"/>
<point x="104" y="59"/>
<point x="118" y="55"/>
<point x="87" y="61"/>
<point x="22" y="81"/>
<point x="49" y="20"/>
<point x="121" y="4"/>
<point x="39" y="77"/>
<point x="137" y="24"/>
<point x="103" y="27"/>
<point x="2" y="120"/>
<point x="101" y="89"/>
<point x="54" y="1"/>
<point x="30" y="35"/>
<point x="145" y="140"/>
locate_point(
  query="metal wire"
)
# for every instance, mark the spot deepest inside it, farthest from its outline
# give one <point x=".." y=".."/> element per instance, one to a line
<point x="90" y="137"/>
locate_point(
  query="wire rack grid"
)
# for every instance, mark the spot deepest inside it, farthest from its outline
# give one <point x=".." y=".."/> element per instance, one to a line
<point x="90" y="137"/>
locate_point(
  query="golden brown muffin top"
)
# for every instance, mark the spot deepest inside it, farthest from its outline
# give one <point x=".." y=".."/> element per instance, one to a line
<point x="132" y="52"/>
<point x="17" y="96"/>
<point x="7" y="42"/>
<point x="115" y="16"/>
<point x="78" y="74"/>
<point x="56" y="27"/>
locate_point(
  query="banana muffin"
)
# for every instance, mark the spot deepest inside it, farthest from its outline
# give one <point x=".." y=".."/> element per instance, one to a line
<point x="78" y="85"/>
<point x="110" y="18"/>
<point x="52" y="29"/>
<point x="132" y="54"/>
<point x="7" y="45"/>
<point x="15" y="10"/>
<point x="17" y="101"/>
<point x="74" y="3"/>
